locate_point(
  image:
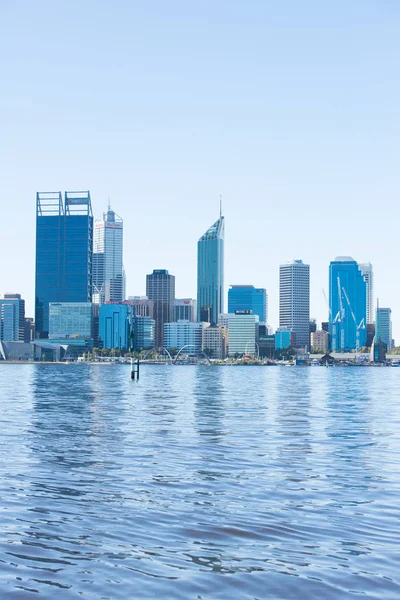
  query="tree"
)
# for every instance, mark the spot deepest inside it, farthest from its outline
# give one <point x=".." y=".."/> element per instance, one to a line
<point x="208" y="352"/>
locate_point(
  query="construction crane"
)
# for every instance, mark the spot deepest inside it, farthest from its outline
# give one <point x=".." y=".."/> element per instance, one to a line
<point x="361" y="325"/>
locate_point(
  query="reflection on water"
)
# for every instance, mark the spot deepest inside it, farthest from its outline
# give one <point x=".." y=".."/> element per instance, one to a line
<point x="199" y="482"/>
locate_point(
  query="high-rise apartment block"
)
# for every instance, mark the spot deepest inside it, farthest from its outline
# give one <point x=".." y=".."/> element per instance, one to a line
<point x="64" y="250"/>
<point x="108" y="268"/>
<point x="247" y="297"/>
<point x="368" y="273"/>
<point x="347" y="304"/>
<point x="12" y="318"/>
<point x="210" y="273"/>
<point x="294" y="300"/>
<point x="160" y="287"/>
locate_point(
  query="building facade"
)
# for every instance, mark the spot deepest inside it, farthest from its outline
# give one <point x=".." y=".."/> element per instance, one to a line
<point x="64" y="251"/>
<point x="12" y="318"/>
<point x="144" y="332"/>
<point x="385" y="326"/>
<point x="142" y="306"/>
<point x="215" y="341"/>
<point x="284" y="338"/>
<point x="115" y="325"/>
<point x="368" y="273"/>
<point x="210" y="273"/>
<point x="185" y="309"/>
<point x="294" y="300"/>
<point x="184" y="333"/>
<point x="108" y="268"/>
<point x="243" y="333"/>
<point x="247" y="297"/>
<point x="70" y="320"/>
<point x="160" y="287"/>
<point x="320" y="341"/>
<point x="347" y="304"/>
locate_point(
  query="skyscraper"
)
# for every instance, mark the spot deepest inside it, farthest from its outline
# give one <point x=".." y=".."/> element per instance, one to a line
<point x="385" y="326"/>
<point x="160" y="287"/>
<point x="367" y="271"/>
<point x="108" y="269"/>
<point x="64" y="249"/>
<point x="347" y="304"/>
<point x="210" y="273"/>
<point x="247" y="297"/>
<point x="12" y="318"/>
<point x="294" y="300"/>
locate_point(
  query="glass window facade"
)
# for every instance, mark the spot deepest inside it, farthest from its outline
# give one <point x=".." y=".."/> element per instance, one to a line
<point x="347" y="304"/>
<point x="70" y="320"/>
<point x="64" y="249"/>
<point x="243" y="297"/>
<point x="144" y="333"/>
<point x="210" y="273"/>
<point x="115" y="325"/>
<point x="12" y="318"/>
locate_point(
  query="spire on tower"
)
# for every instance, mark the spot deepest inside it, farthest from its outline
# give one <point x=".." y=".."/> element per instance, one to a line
<point x="220" y="205"/>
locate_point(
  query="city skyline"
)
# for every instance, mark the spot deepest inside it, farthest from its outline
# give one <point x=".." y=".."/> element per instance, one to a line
<point x="271" y="112"/>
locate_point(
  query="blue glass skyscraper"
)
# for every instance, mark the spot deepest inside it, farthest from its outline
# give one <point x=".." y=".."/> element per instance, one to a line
<point x="247" y="297"/>
<point x="210" y="273"/>
<point x="347" y="304"/>
<point x="64" y="249"/>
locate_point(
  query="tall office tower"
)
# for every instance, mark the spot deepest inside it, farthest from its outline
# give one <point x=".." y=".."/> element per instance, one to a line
<point x="185" y="309"/>
<point x="247" y="297"/>
<point x="210" y="273"/>
<point x="160" y="287"/>
<point x="64" y="250"/>
<point x="12" y="318"/>
<point x="294" y="300"/>
<point x="385" y="326"/>
<point x="108" y="269"/>
<point x="367" y="271"/>
<point x="347" y="304"/>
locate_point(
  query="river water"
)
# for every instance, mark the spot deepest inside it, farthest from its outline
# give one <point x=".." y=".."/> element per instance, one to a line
<point x="199" y="482"/>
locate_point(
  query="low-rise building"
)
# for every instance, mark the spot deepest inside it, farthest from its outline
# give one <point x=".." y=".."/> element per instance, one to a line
<point x="320" y="341"/>
<point x="215" y="341"/>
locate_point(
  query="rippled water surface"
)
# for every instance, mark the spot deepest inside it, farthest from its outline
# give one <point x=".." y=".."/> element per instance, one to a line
<point x="199" y="482"/>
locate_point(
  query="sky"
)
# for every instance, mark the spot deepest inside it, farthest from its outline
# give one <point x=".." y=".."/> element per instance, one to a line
<point x="288" y="109"/>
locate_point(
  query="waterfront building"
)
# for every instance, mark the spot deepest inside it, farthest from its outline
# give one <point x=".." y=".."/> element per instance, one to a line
<point x="368" y="273"/>
<point x="294" y="300"/>
<point x="144" y="332"/>
<point x="29" y="330"/>
<point x="320" y="341"/>
<point x="385" y="326"/>
<point x="142" y="306"/>
<point x="370" y="334"/>
<point x="64" y="249"/>
<point x="160" y="287"/>
<point x="266" y="344"/>
<point x="70" y="320"/>
<point x="210" y="273"/>
<point x="247" y="297"/>
<point x="347" y="305"/>
<point x="215" y="341"/>
<point x="12" y="318"/>
<point x="243" y="332"/>
<point x="184" y="333"/>
<point x="185" y="309"/>
<point x="115" y="325"/>
<point x="284" y="338"/>
<point x="108" y="268"/>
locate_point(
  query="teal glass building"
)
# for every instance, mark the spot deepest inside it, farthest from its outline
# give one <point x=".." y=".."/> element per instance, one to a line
<point x="64" y="252"/>
<point x="347" y="305"/>
<point x="247" y="297"/>
<point x="210" y="273"/>
<point x="115" y="325"/>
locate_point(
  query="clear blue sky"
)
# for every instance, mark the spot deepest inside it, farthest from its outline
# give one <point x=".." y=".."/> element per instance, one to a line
<point x="289" y="109"/>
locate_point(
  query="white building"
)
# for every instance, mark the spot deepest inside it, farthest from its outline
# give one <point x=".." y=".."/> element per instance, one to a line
<point x="184" y="333"/>
<point x="294" y="300"/>
<point x="320" y="341"/>
<point x="108" y="269"/>
<point x="367" y="270"/>
<point x="70" y="320"/>
<point x="215" y="339"/>
<point x="243" y="332"/>
<point x="185" y="309"/>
